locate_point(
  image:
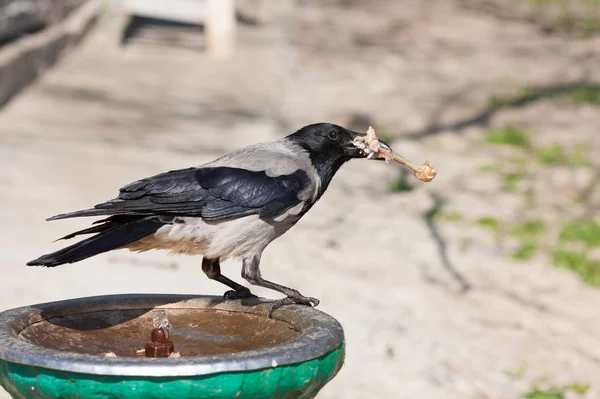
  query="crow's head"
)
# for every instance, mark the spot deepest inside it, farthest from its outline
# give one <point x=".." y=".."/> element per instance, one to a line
<point x="330" y="141"/>
<point x="329" y="146"/>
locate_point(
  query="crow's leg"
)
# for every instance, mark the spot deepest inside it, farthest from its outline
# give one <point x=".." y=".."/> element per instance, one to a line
<point x="212" y="269"/>
<point x="251" y="272"/>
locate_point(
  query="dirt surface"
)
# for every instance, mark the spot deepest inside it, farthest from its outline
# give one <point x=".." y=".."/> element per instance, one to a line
<point x="434" y="306"/>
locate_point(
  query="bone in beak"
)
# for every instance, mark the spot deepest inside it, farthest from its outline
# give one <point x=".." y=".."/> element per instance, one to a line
<point x="374" y="148"/>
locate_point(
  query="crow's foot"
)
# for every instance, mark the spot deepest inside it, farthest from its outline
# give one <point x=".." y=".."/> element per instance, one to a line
<point x="239" y="294"/>
<point x="300" y="300"/>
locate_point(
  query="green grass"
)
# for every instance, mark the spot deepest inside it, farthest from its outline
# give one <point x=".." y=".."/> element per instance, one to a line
<point x="516" y="373"/>
<point x="433" y="212"/>
<point x="518" y="162"/>
<point x="587" y="231"/>
<point x="567" y="22"/>
<point x="512" y="181"/>
<point x="588" y="269"/>
<point x="528" y="233"/>
<point x="526" y="251"/>
<point x="591" y="27"/>
<point x="551" y="391"/>
<point x="488" y="222"/>
<point x="450" y="216"/>
<point x="526" y="95"/>
<point x="578" y="200"/>
<point x="580" y="157"/>
<point x="487" y="168"/>
<point x="554" y="154"/>
<point x="587" y="93"/>
<point x="498" y="101"/>
<point x="509" y="135"/>
<point x="529" y="228"/>
<point x="579" y="24"/>
<point x="544" y="395"/>
<point x="400" y="185"/>
<point x="578" y="388"/>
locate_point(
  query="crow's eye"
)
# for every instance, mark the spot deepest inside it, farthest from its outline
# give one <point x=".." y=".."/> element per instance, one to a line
<point x="333" y="135"/>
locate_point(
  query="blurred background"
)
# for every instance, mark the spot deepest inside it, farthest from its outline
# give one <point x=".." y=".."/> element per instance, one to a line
<point x="480" y="284"/>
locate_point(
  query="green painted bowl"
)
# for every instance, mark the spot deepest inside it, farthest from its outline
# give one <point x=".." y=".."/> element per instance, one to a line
<point x="228" y="349"/>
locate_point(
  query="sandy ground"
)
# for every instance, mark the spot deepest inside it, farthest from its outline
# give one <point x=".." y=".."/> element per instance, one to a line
<point x="430" y="309"/>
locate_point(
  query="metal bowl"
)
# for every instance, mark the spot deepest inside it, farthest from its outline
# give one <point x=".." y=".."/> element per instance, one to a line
<point x="228" y="349"/>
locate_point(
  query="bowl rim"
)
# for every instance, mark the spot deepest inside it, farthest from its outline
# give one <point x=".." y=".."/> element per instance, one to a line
<point x="320" y="335"/>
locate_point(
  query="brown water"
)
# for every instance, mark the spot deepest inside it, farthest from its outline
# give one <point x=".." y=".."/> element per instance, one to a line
<point x="195" y="332"/>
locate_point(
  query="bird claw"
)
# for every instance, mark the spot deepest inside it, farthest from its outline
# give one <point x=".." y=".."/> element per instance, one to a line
<point x="232" y="294"/>
<point x="300" y="300"/>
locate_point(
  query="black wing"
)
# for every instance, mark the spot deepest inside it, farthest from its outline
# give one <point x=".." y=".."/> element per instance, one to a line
<point x="212" y="193"/>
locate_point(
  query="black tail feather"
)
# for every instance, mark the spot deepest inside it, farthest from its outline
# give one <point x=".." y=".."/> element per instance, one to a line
<point x="89" y="230"/>
<point x="109" y="237"/>
<point x="85" y="212"/>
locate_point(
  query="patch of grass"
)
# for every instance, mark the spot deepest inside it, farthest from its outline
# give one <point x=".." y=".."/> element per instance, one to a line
<point x="526" y="95"/>
<point x="400" y="185"/>
<point x="529" y="228"/>
<point x="528" y="233"/>
<point x="498" y="101"/>
<point x="450" y="216"/>
<point x="586" y="93"/>
<point x="578" y="200"/>
<point x="588" y="269"/>
<point x="544" y="395"/>
<point x="434" y="212"/>
<point x="516" y="373"/>
<point x="518" y="162"/>
<point x="509" y="135"/>
<point x="526" y="251"/>
<point x="487" y="168"/>
<point x="584" y="23"/>
<point x="580" y="157"/>
<point x="587" y="231"/>
<point x="488" y="222"/>
<point x="566" y="21"/>
<point x="578" y="388"/>
<point x="578" y="24"/>
<point x="512" y="181"/>
<point x="554" y="154"/>
<point x="545" y="390"/>
<point x="591" y="27"/>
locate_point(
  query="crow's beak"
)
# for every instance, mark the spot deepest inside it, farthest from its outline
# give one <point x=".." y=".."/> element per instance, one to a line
<point x="384" y="145"/>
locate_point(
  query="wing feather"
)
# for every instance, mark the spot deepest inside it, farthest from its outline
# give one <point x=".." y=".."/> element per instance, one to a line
<point x="210" y="192"/>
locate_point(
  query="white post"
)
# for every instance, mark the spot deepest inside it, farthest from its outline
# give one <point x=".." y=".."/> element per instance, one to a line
<point x="220" y="28"/>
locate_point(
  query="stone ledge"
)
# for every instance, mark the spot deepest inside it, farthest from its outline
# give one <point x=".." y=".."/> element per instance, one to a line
<point x="23" y="60"/>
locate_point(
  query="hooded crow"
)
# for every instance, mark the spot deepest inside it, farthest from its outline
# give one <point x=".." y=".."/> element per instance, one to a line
<point x="232" y="207"/>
